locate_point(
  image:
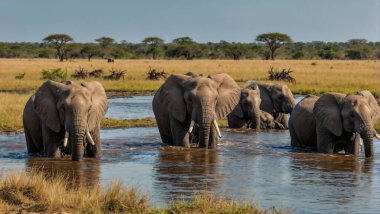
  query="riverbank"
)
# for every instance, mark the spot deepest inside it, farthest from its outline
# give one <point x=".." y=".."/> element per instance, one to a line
<point x="27" y="192"/>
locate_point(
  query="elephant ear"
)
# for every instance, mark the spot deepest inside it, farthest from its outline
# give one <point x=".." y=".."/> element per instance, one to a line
<point x="375" y="109"/>
<point x="173" y="94"/>
<point x="327" y="112"/>
<point x="238" y="111"/>
<point x="45" y="104"/>
<point x="99" y="103"/>
<point x="265" y="95"/>
<point x="228" y="94"/>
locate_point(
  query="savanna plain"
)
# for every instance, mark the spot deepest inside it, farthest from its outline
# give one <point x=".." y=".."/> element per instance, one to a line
<point x="31" y="192"/>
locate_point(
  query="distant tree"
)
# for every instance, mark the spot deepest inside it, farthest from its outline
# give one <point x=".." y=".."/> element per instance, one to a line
<point x="235" y="50"/>
<point x="358" y="49"/>
<point x="59" y="41"/>
<point x="330" y="51"/>
<point x="90" y="50"/>
<point x="104" y="42"/>
<point x="185" y="47"/>
<point x="274" y="41"/>
<point x="154" y="46"/>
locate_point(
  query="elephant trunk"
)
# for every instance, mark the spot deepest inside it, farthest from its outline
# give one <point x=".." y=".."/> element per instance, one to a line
<point x="77" y="138"/>
<point x="367" y="136"/>
<point x="206" y="118"/>
<point x="255" y="119"/>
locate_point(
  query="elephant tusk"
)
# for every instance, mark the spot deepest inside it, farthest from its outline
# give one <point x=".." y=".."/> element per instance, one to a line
<point x="377" y="136"/>
<point x="191" y="126"/>
<point x="65" y="139"/>
<point x="217" y="128"/>
<point x="89" y="138"/>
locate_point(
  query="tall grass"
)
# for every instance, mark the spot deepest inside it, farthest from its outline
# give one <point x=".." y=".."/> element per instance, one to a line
<point x="11" y="109"/>
<point x="311" y="76"/>
<point x="33" y="192"/>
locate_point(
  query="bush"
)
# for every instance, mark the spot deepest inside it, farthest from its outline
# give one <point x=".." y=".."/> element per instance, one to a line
<point x="54" y="74"/>
<point x="283" y="75"/>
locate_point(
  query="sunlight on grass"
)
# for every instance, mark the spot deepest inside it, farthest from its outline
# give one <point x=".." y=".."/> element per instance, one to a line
<point x="34" y="192"/>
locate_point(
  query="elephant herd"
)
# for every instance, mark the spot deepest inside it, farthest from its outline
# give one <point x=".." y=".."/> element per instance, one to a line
<point x="64" y="118"/>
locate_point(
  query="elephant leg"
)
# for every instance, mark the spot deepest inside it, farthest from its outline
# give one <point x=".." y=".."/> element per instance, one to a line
<point x="180" y="134"/>
<point x="30" y="143"/>
<point x="51" y="142"/>
<point x="293" y="137"/>
<point x="213" y="141"/>
<point x="94" y="151"/>
<point x="325" y="140"/>
<point x="353" y="146"/>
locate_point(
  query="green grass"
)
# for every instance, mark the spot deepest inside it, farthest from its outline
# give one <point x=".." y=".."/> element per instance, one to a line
<point x="35" y="192"/>
<point x="113" y="123"/>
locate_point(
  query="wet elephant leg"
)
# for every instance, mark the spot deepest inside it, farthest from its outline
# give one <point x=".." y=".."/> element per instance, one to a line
<point x="51" y="142"/>
<point x="213" y="141"/>
<point x="180" y="133"/>
<point x="325" y="140"/>
<point x="293" y="137"/>
<point x="353" y="145"/>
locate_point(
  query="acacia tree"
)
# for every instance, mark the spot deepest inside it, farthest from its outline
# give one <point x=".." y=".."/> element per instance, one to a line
<point x="274" y="41"/>
<point x="154" y="46"/>
<point x="105" y="42"/>
<point x="59" y="41"/>
<point x="90" y="50"/>
<point x="185" y="47"/>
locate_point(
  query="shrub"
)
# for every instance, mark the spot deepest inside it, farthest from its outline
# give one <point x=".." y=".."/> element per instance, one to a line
<point x="283" y="75"/>
<point x="54" y="74"/>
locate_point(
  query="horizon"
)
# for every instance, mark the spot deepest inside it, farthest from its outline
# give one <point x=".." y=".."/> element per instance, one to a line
<point x="211" y="21"/>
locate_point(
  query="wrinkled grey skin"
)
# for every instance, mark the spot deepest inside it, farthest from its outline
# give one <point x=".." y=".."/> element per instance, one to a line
<point x="183" y="98"/>
<point x="247" y="112"/>
<point x="59" y="107"/>
<point x="335" y="122"/>
<point x="277" y="100"/>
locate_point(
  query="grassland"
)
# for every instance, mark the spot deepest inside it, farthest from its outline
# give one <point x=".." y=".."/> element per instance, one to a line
<point x="314" y="77"/>
<point x="33" y="192"/>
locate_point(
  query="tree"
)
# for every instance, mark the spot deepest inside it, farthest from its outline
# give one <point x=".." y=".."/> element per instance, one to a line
<point x="104" y="42"/>
<point x="154" y="46"/>
<point x="185" y="47"/>
<point x="59" y="41"/>
<point x="274" y="41"/>
<point x="235" y="50"/>
<point x="90" y="50"/>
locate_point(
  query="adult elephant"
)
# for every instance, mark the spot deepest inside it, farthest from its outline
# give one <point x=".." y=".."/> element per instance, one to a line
<point x="184" y="101"/>
<point x="247" y="111"/>
<point x="335" y="122"/>
<point x="277" y="100"/>
<point x="65" y="118"/>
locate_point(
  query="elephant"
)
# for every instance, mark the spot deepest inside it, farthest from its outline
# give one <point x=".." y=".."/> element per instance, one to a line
<point x="184" y="101"/>
<point x="247" y="112"/>
<point x="268" y="122"/>
<point x="277" y="100"/>
<point x="335" y="122"/>
<point x="64" y="118"/>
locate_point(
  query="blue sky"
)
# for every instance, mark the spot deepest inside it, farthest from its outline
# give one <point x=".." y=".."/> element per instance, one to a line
<point x="202" y="20"/>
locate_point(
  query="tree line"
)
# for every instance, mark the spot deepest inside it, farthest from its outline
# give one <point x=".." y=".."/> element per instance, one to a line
<point x="263" y="46"/>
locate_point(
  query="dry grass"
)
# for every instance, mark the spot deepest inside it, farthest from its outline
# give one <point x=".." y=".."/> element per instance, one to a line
<point x="312" y="76"/>
<point x="34" y="192"/>
<point x="11" y="109"/>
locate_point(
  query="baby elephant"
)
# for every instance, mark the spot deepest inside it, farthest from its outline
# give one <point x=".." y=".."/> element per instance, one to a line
<point x="247" y="112"/>
<point x="334" y="122"/>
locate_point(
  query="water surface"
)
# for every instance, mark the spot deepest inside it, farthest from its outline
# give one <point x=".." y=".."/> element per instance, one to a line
<point x="247" y="165"/>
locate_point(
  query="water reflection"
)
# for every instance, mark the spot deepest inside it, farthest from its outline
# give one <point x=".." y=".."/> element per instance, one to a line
<point x="84" y="173"/>
<point x="180" y="173"/>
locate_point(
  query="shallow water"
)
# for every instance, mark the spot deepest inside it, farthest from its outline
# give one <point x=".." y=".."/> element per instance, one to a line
<point x="246" y="166"/>
<point x="134" y="107"/>
<point x="137" y="107"/>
